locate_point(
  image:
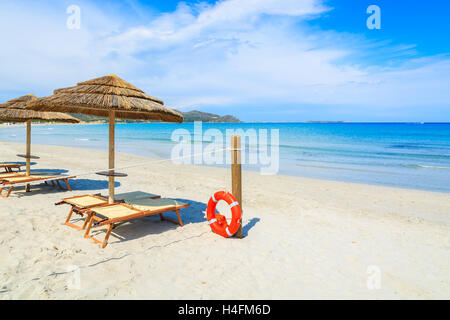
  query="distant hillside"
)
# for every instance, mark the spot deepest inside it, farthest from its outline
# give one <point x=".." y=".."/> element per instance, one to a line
<point x="189" y="116"/>
<point x="195" y="115"/>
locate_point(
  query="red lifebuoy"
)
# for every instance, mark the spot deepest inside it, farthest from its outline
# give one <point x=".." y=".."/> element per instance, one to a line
<point x="218" y="222"/>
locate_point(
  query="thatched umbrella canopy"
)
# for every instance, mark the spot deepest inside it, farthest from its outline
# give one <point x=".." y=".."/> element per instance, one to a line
<point x="107" y="96"/>
<point x="15" y="111"/>
<point x="100" y="96"/>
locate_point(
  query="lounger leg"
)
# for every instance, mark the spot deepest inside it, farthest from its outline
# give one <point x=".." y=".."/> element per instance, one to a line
<point x="179" y="218"/>
<point x="86" y="233"/>
<point x="108" y="233"/>
<point x="68" y="223"/>
<point x="27" y="188"/>
<point x="7" y="193"/>
<point x="70" y="215"/>
<point x="172" y="221"/>
<point x="88" y="216"/>
<point x="59" y="185"/>
<point x="67" y="184"/>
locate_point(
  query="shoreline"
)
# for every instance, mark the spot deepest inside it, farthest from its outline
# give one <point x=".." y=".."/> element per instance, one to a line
<point x="243" y="169"/>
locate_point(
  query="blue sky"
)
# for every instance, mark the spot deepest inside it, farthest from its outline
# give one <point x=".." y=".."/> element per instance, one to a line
<point x="261" y="60"/>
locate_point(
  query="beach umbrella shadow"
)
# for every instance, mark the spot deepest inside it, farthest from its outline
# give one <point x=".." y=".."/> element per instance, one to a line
<point x="49" y="171"/>
<point x="90" y="184"/>
<point x="76" y="185"/>
<point x="18" y="162"/>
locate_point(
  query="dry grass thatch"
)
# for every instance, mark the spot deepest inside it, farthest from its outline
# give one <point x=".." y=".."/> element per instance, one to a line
<point x="98" y="96"/>
<point x="15" y="111"/>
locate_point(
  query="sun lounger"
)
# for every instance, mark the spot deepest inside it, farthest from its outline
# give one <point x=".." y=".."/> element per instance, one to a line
<point x="80" y="204"/>
<point x="10" y="166"/>
<point x="6" y="175"/>
<point x="111" y="214"/>
<point x="13" y="181"/>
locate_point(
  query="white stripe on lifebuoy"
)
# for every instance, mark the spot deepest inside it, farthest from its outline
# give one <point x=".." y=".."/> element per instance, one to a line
<point x="234" y="204"/>
<point x="228" y="232"/>
<point x="212" y="221"/>
<point x="214" y="199"/>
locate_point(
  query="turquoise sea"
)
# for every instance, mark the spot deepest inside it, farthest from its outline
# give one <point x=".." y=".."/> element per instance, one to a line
<point x="409" y="155"/>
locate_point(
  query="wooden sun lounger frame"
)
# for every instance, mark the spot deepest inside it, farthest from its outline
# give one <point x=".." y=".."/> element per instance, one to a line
<point x="78" y="210"/>
<point x="139" y="214"/>
<point x="5" y="183"/>
<point x="10" y="166"/>
<point x="13" y="175"/>
<point x="85" y="209"/>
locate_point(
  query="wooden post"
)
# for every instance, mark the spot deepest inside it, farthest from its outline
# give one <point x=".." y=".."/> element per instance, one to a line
<point x="28" y="153"/>
<point x="112" y="115"/>
<point x="236" y="175"/>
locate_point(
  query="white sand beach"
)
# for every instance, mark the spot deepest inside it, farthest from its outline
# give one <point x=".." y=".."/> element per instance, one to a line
<point x="304" y="238"/>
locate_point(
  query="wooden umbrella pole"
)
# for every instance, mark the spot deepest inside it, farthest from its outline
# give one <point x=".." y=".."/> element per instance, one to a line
<point x="28" y="147"/>
<point x="236" y="175"/>
<point x="112" y="115"/>
<point x="28" y="154"/>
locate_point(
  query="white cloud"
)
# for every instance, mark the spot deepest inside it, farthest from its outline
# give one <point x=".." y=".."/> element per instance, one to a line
<point x="232" y="53"/>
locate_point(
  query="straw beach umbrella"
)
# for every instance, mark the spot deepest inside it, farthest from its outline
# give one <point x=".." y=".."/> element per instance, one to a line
<point x="14" y="110"/>
<point x="111" y="97"/>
